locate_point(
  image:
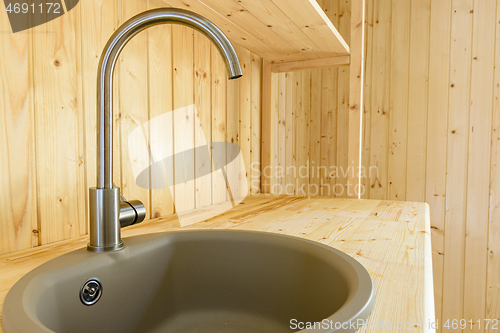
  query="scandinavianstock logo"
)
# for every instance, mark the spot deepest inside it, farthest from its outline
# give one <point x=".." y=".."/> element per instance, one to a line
<point x="26" y="14"/>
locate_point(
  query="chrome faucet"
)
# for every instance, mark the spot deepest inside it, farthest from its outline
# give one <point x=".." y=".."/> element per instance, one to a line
<point x="107" y="211"/>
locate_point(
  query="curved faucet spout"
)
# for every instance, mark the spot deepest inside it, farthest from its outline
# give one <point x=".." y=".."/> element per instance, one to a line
<point x="105" y="198"/>
<point x="110" y="55"/>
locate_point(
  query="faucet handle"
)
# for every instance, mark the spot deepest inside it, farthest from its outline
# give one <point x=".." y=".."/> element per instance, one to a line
<point x="131" y="212"/>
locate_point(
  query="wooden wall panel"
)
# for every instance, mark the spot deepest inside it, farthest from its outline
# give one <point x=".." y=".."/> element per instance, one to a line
<point x="478" y="177"/>
<point x="183" y="123"/>
<point x="256" y="77"/>
<point x="344" y="27"/>
<point x="97" y="26"/>
<point x="437" y="131"/>
<point x="219" y="116"/>
<point x="203" y="99"/>
<point x="493" y="270"/>
<point x="18" y="197"/>
<point x="329" y="115"/>
<point x="431" y="93"/>
<point x="132" y="77"/>
<point x="441" y="144"/>
<point x="59" y="128"/>
<point x="160" y="83"/>
<point x="367" y="105"/>
<point x="417" y="99"/>
<point x="380" y="98"/>
<point x="458" y="135"/>
<point x="245" y="112"/>
<point x="49" y="106"/>
<point x="398" y="121"/>
<point x="315" y="104"/>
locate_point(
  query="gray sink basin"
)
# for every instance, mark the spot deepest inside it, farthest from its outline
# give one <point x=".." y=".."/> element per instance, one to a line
<point x="195" y="281"/>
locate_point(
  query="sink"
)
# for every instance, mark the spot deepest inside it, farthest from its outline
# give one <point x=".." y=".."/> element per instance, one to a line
<point x="194" y="281"/>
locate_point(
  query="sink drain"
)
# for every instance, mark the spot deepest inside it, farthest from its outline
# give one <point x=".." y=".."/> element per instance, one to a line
<point x="91" y="291"/>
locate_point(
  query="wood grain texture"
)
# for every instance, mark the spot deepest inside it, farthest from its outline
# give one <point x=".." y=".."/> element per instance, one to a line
<point x="282" y="130"/>
<point x="356" y="85"/>
<point x="276" y="30"/>
<point x="418" y="100"/>
<point x="367" y="105"/>
<point x="437" y="130"/>
<point x="390" y="239"/>
<point x="203" y="100"/>
<point x="441" y="138"/>
<point x="380" y="98"/>
<point x="97" y="27"/>
<point x="256" y="104"/>
<point x="160" y="83"/>
<point x="59" y="128"/>
<point x="18" y="195"/>
<point x="267" y="127"/>
<point x="478" y="177"/>
<point x="219" y="116"/>
<point x="184" y="122"/>
<point x="343" y="86"/>
<point x="310" y="64"/>
<point x="458" y="136"/>
<point x="398" y="117"/>
<point x="133" y="100"/>
<point x="52" y="115"/>
<point x="315" y="141"/>
<point x="245" y="112"/>
<point x="493" y="270"/>
<point x="303" y="131"/>
<point x="233" y="123"/>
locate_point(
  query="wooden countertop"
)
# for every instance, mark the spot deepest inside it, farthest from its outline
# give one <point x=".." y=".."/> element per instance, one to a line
<point x="391" y="239"/>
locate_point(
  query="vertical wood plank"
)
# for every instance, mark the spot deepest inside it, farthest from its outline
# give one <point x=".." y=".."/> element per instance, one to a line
<point x="343" y="85"/>
<point x="356" y="84"/>
<point x="303" y="131"/>
<point x="203" y="100"/>
<point x="256" y="123"/>
<point x="290" y="134"/>
<point x="328" y="131"/>
<point x="417" y="99"/>
<point x="315" y="139"/>
<point x="267" y="126"/>
<point x="398" y="115"/>
<point x="97" y="28"/>
<point x="219" y="78"/>
<point x="493" y="280"/>
<point x="183" y="95"/>
<point x="456" y="186"/>
<point x="18" y="198"/>
<point x="367" y="104"/>
<point x="59" y="128"/>
<point x="160" y="102"/>
<point x="133" y="96"/>
<point x="437" y="132"/>
<point x="274" y="133"/>
<point x="233" y="122"/>
<point x="380" y="99"/>
<point x="245" y="112"/>
<point x="282" y="132"/>
<point x="478" y="178"/>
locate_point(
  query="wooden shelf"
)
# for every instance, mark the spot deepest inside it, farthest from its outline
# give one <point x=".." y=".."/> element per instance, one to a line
<point x="277" y="30"/>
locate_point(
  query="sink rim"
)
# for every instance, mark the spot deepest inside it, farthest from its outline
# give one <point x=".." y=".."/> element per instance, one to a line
<point x="349" y="311"/>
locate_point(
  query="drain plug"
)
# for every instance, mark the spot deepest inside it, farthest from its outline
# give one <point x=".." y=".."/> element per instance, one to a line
<point x="91" y="291"/>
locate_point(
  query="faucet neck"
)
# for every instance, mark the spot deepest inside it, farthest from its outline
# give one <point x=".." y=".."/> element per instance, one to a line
<point x="107" y="64"/>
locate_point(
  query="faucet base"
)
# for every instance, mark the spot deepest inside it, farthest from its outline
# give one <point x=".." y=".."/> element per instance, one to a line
<point x="98" y="249"/>
<point x="104" y="216"/>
